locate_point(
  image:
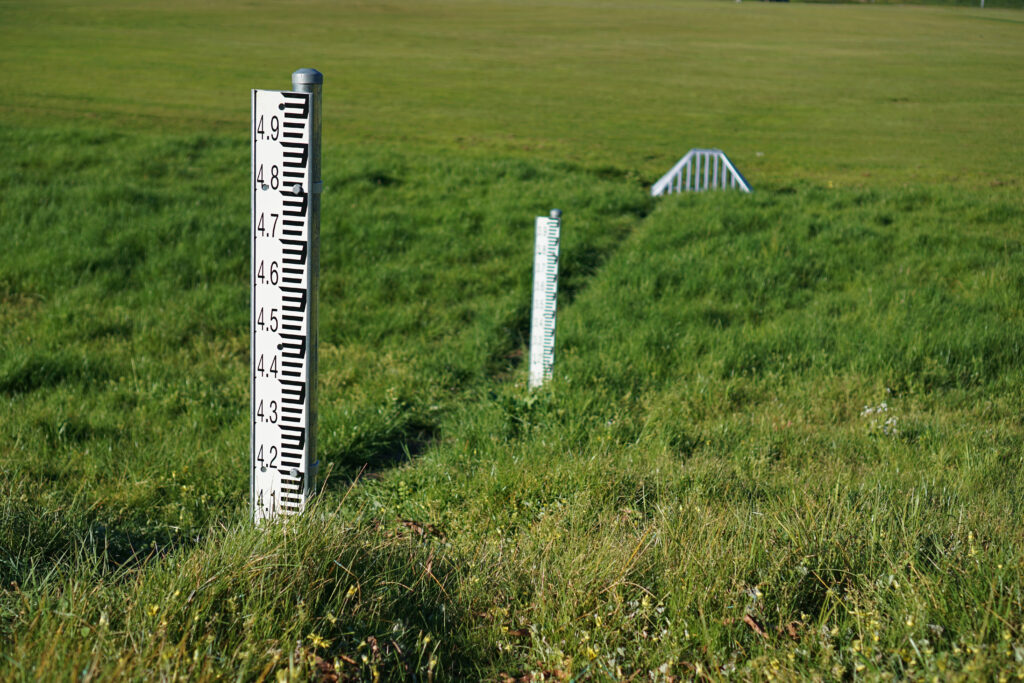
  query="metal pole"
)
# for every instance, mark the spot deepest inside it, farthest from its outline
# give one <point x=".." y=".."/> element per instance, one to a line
<point x="312" y="81"/>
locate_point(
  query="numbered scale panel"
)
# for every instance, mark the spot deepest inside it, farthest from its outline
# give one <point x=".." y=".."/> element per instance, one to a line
<point x="282" y="336"/>
<point x="545" y="290"/>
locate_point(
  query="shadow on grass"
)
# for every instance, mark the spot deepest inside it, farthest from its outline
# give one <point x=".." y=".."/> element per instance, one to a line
<point x="26" y="373"/>
<point x="375" y="454"/>
<point x="38" y="543"/>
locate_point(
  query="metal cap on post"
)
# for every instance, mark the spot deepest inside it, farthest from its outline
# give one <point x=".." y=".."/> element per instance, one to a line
<point x="307" y="77"/>
<point x="556" y="214"/>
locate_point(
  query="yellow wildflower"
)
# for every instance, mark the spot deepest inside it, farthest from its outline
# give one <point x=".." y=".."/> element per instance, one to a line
<point x="318" y="641"/>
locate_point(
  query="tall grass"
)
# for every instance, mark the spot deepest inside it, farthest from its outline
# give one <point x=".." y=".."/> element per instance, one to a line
<point x="783" y="438"/>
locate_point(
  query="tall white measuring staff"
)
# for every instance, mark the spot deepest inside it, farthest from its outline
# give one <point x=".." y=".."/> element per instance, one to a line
<point x="285" y="234"/>
<point x="545" y="290"/>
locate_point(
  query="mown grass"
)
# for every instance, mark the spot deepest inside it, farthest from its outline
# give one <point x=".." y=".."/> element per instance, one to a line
<point x="1014" y="4"/>
<point x="851" y="94"/>
<point x="783" y="439"/>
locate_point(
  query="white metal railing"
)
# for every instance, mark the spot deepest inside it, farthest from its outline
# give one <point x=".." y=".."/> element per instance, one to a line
<point x="700" y="170"/>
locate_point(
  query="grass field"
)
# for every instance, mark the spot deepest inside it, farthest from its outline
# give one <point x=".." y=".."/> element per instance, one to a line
<point x="784" y="439"/>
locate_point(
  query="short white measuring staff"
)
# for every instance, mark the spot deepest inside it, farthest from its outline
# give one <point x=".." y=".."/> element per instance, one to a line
<point x="545" y="294"/>
<point x="285" y="236"/>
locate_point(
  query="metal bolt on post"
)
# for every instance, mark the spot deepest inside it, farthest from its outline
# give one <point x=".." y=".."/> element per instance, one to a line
<point x="285" y="238"/>
<point x="545" y="290"/>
